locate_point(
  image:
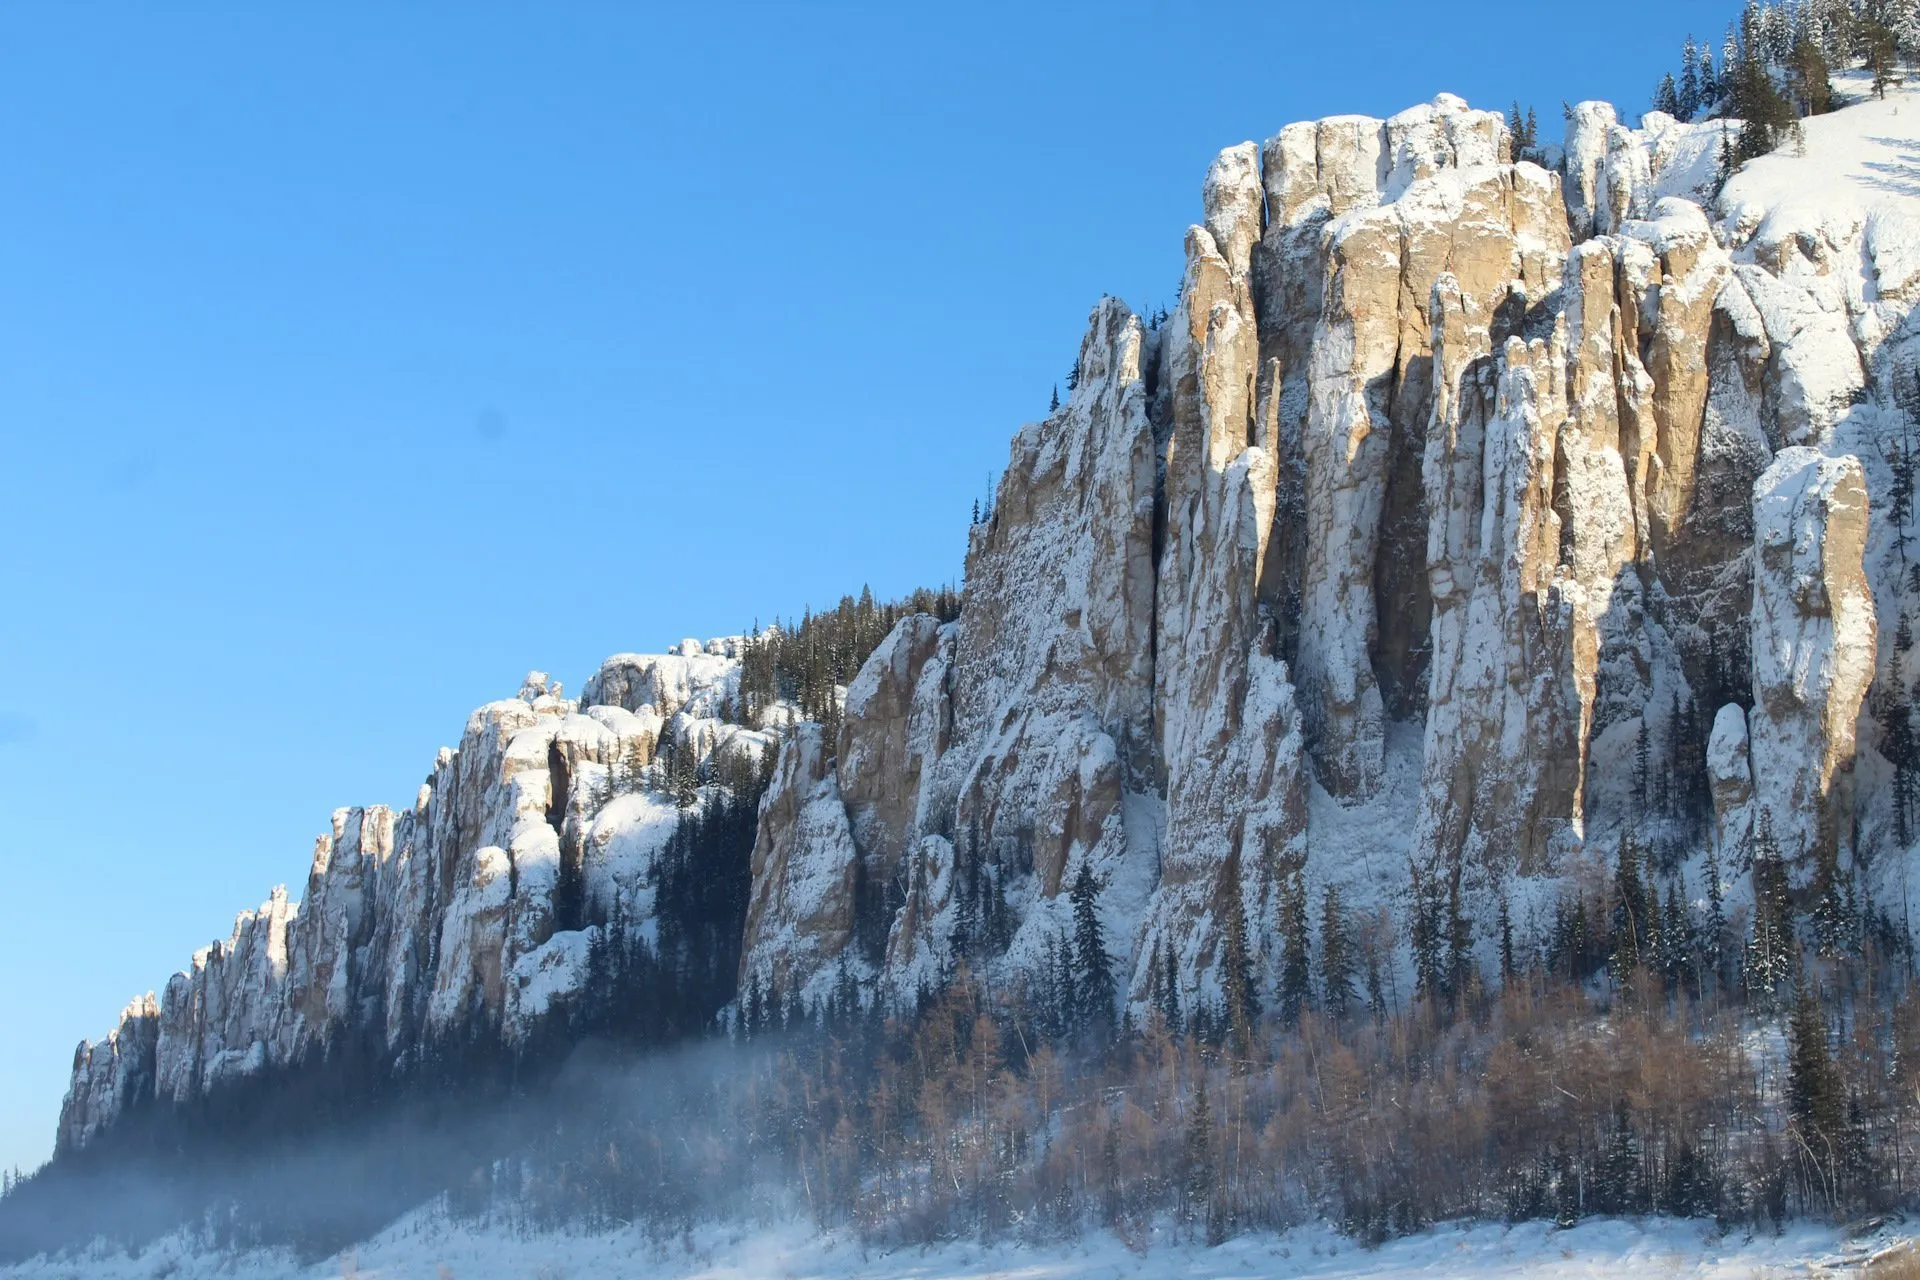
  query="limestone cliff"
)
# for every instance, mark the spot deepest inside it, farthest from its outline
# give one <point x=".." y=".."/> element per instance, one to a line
<point x="1464" y="514"/>
<point x="1451" y="486"/>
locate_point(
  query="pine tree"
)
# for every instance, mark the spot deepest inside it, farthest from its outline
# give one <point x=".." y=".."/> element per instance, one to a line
<point x="1812" y="90"/>
<point x="1053" y="406"/>
<point x="1336" y="956"/>
<point x="1093" y="980"/>
<point x="1767" y="117"/>
<point x="1883" y="54"/>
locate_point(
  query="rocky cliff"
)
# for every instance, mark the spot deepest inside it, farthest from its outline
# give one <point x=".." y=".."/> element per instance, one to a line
<point x="1465" y="514"/>
<point x="445" y="920"/>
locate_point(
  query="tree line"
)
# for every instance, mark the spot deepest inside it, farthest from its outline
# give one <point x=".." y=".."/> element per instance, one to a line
<point x="810" y="662"/>
<point x="1776" y="63"/>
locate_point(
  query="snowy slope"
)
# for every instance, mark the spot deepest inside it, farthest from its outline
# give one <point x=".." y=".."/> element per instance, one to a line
<point x="423" y="1248"/>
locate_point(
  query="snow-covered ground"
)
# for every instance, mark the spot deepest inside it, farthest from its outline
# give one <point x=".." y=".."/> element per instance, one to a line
<point x="426" y="1246"/>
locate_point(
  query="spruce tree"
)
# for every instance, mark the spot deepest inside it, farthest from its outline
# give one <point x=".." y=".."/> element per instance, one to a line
<point x="1667" y="96"/>
<point x="1713" y="940"/>
<point x="1241" y="999"/>
<point x="1676" y="938"/>
<point x="1461" y="968"/>
<point x="1687" y="96"/>
<point x="1093" y="981"/>
<point x="1771" y="947"/>
<point x="1816" y="1096"/>
<point x="1829" y="911"/>
<point x="1170" y="990"/>
<point x="1507" y="966"/>
<point x="1426" y="934"/>
<point x="1629" y="916"/>
<point x="1336" y="956"/>
<point x="966" y="909"/>
<point x="996" y="922"/>
<point x="1642" y="768"/>
<point x="1296" y="989"/>
<point x="1197" y="1156"/>
<point x="1066" y="995"/>
<point x="1706" y="82"/>
<point x="1376" y="990"/>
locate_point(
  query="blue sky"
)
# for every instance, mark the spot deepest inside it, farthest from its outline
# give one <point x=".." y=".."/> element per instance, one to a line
<point x="355" y="359"/>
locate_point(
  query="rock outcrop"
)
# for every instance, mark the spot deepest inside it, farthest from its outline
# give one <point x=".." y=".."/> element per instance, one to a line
<point x="1814" y="642"/>
<point x="445" y="920"/>
<point x="1455" y="452"/>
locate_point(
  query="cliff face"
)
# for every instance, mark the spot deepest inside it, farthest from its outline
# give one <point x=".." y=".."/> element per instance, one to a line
<point x="441" y="921"/>
<point x="1453" y="488"/>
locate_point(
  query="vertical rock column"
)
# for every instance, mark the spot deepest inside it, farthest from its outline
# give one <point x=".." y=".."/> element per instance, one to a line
<point x="1501" y="774"/>
<point x="1814" y="645"/>
<point x="1229" y="733"/>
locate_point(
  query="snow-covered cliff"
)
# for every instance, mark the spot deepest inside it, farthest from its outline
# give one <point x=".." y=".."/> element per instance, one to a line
<point x="1452" y="486"/>
<point x="442" y="920"/>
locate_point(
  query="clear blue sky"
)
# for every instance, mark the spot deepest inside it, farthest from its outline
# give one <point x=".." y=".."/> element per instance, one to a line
<point x="355" y="359"/>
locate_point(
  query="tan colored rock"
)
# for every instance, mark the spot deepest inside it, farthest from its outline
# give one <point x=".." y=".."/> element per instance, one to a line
<point x="1504" y="752"/>
<point x="1499" y="231"/>
<point x="884" y="747"/>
